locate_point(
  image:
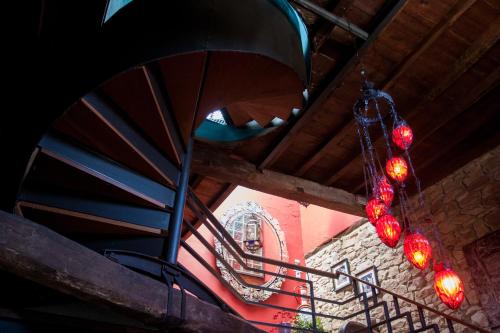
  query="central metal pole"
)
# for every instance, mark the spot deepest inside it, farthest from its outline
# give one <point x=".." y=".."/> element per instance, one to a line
<point x="171" y="249"/>
<point x="341" y="22"/>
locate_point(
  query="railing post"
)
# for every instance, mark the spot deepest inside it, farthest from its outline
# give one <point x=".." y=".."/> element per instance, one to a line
<point x="367" y="313"/>
<point x="171" y="249"/>
<point x="449" y="323"/>
<point x="421" y="317"/>
<point x="313" y="308"/>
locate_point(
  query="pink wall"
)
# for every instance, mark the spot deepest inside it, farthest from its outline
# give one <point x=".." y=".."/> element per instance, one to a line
<point x="320" y="224"/>
<point x="287" y="213"/>
<point x="304" y="228"/>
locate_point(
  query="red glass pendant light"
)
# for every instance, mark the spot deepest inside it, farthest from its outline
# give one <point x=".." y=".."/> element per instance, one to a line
<point x="417" y="250"/>
<point x="375" y="112"/>
<point x="384" y="191"/>
<point x="388" y="230"/>
<point x="449" y="287"/>
<point x="402" y="135"/>
<point x="375" y="208"/>
<point x="397" y="169"/>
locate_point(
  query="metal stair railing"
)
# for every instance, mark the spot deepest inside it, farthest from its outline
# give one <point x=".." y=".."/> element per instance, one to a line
<point x="206" y="218"/>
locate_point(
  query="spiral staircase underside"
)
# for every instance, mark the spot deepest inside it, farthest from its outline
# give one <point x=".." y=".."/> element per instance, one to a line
<point x="104" y="146"/>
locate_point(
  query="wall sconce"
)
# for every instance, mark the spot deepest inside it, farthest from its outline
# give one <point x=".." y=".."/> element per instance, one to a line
<point x="253" y="234"/>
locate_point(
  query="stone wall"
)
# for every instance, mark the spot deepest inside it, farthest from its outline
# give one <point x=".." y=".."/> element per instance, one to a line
<point x="465" y="205"/>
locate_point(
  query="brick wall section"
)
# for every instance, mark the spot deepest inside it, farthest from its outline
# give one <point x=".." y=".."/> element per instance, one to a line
<point x="465" y="205"/>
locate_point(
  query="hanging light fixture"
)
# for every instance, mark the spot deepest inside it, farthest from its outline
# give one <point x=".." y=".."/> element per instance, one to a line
<point x="376" y="108"/>
<point x="397" y="169"/>
<point x="384" y="191"/>
<point x="375" y="209"/>
<point x="417" y="249"/>
<point x="389" y="230"/>
<point x="449" y="287"/>
<point x="402" y="135"/>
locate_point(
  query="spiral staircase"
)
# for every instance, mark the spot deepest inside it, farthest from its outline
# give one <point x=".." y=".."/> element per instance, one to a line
<point x="109" y="165"/>
<point x="103" y="148"/>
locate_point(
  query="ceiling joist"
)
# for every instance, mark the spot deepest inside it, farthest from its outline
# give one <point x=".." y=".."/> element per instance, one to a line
<point x="216" y="164"/>
<point x="350" y="127"/>
<point x="309" y="113"/>
<point x="461" y="65"/>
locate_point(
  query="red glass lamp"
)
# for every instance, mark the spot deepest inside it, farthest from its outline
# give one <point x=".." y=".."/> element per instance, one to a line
<point x="388" y="230"/>
<point x="449" y="287"/>
<point x="384" y="191"/>
<point x="375" y="208"/>
<point x="397" y="169"/>
<point x="402" y="135"/>
<point x="417" y="250"/>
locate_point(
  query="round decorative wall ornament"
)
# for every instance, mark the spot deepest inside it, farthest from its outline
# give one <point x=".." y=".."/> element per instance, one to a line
<point x="237" y="214"/>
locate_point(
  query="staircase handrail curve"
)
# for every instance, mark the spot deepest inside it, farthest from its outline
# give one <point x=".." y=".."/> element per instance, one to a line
<point x="238" y="258"/>
<point x="241" y="262"/>
<point x="241" y="298"/>
<point x="333" y="275"/>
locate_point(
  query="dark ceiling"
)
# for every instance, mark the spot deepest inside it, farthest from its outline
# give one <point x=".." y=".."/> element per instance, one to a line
<point x="438" y="59"/>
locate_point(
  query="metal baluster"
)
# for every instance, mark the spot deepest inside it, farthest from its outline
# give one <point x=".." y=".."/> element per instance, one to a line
<point x="313" y="309"/>
<point x="396" y="305"/>
<point x="374" y="294"/>
<point x="387" y="317"/>
<point x="409" y="320"/>
<point x="421" y="317"/>
<point x="367" y="313"/>
<point x="450" y="325"/>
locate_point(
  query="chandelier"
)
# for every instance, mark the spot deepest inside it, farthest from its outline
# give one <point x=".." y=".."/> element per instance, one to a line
<point x="386" y="176"/>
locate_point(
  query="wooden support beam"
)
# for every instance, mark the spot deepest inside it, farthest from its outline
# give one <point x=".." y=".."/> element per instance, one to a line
<point x="216" y="164"/>
<point x="339" y="21"/>
<point x="350" y="126"/>
<point x="315" y="106"/>
<point x="484" y="42"/>
<point x="219" y="198"/>
<point x="37" y="253"/>
<point x="195" y="181"/>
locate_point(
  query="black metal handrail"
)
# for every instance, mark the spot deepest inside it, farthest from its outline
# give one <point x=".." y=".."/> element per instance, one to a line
<point x="217" y="229"/>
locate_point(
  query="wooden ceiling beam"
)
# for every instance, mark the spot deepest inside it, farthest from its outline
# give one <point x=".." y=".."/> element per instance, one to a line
<point x="222" y="195"/>
<point x="462" y="126"/>
<point x="307" y="115"/>
<point x="461" y="65"/>
<point x="195" y="181"/>
<point x="350" y="127"/>
<point x="475" y="117"/>
<point x="320" y="28"/>
<point x="216" y="164"/>
<point x="338" y="21"/>
<point x="34" y="252"/>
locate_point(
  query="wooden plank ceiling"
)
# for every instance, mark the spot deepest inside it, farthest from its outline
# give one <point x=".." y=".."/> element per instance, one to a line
<point x="438" y="59"/>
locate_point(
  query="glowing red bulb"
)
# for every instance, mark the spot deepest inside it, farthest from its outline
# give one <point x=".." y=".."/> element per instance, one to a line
<point x="384" y="191"/>
<point x="417" y="250"/>
<point x="397" y="169"/>
<point x="375" y="208"/>
<point x="449" y="287"/>
<point x="402" y="135"/>
<point x="388" y="230"/>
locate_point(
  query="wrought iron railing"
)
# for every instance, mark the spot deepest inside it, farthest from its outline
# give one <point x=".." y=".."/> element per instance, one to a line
<point x="368" y="304"/>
